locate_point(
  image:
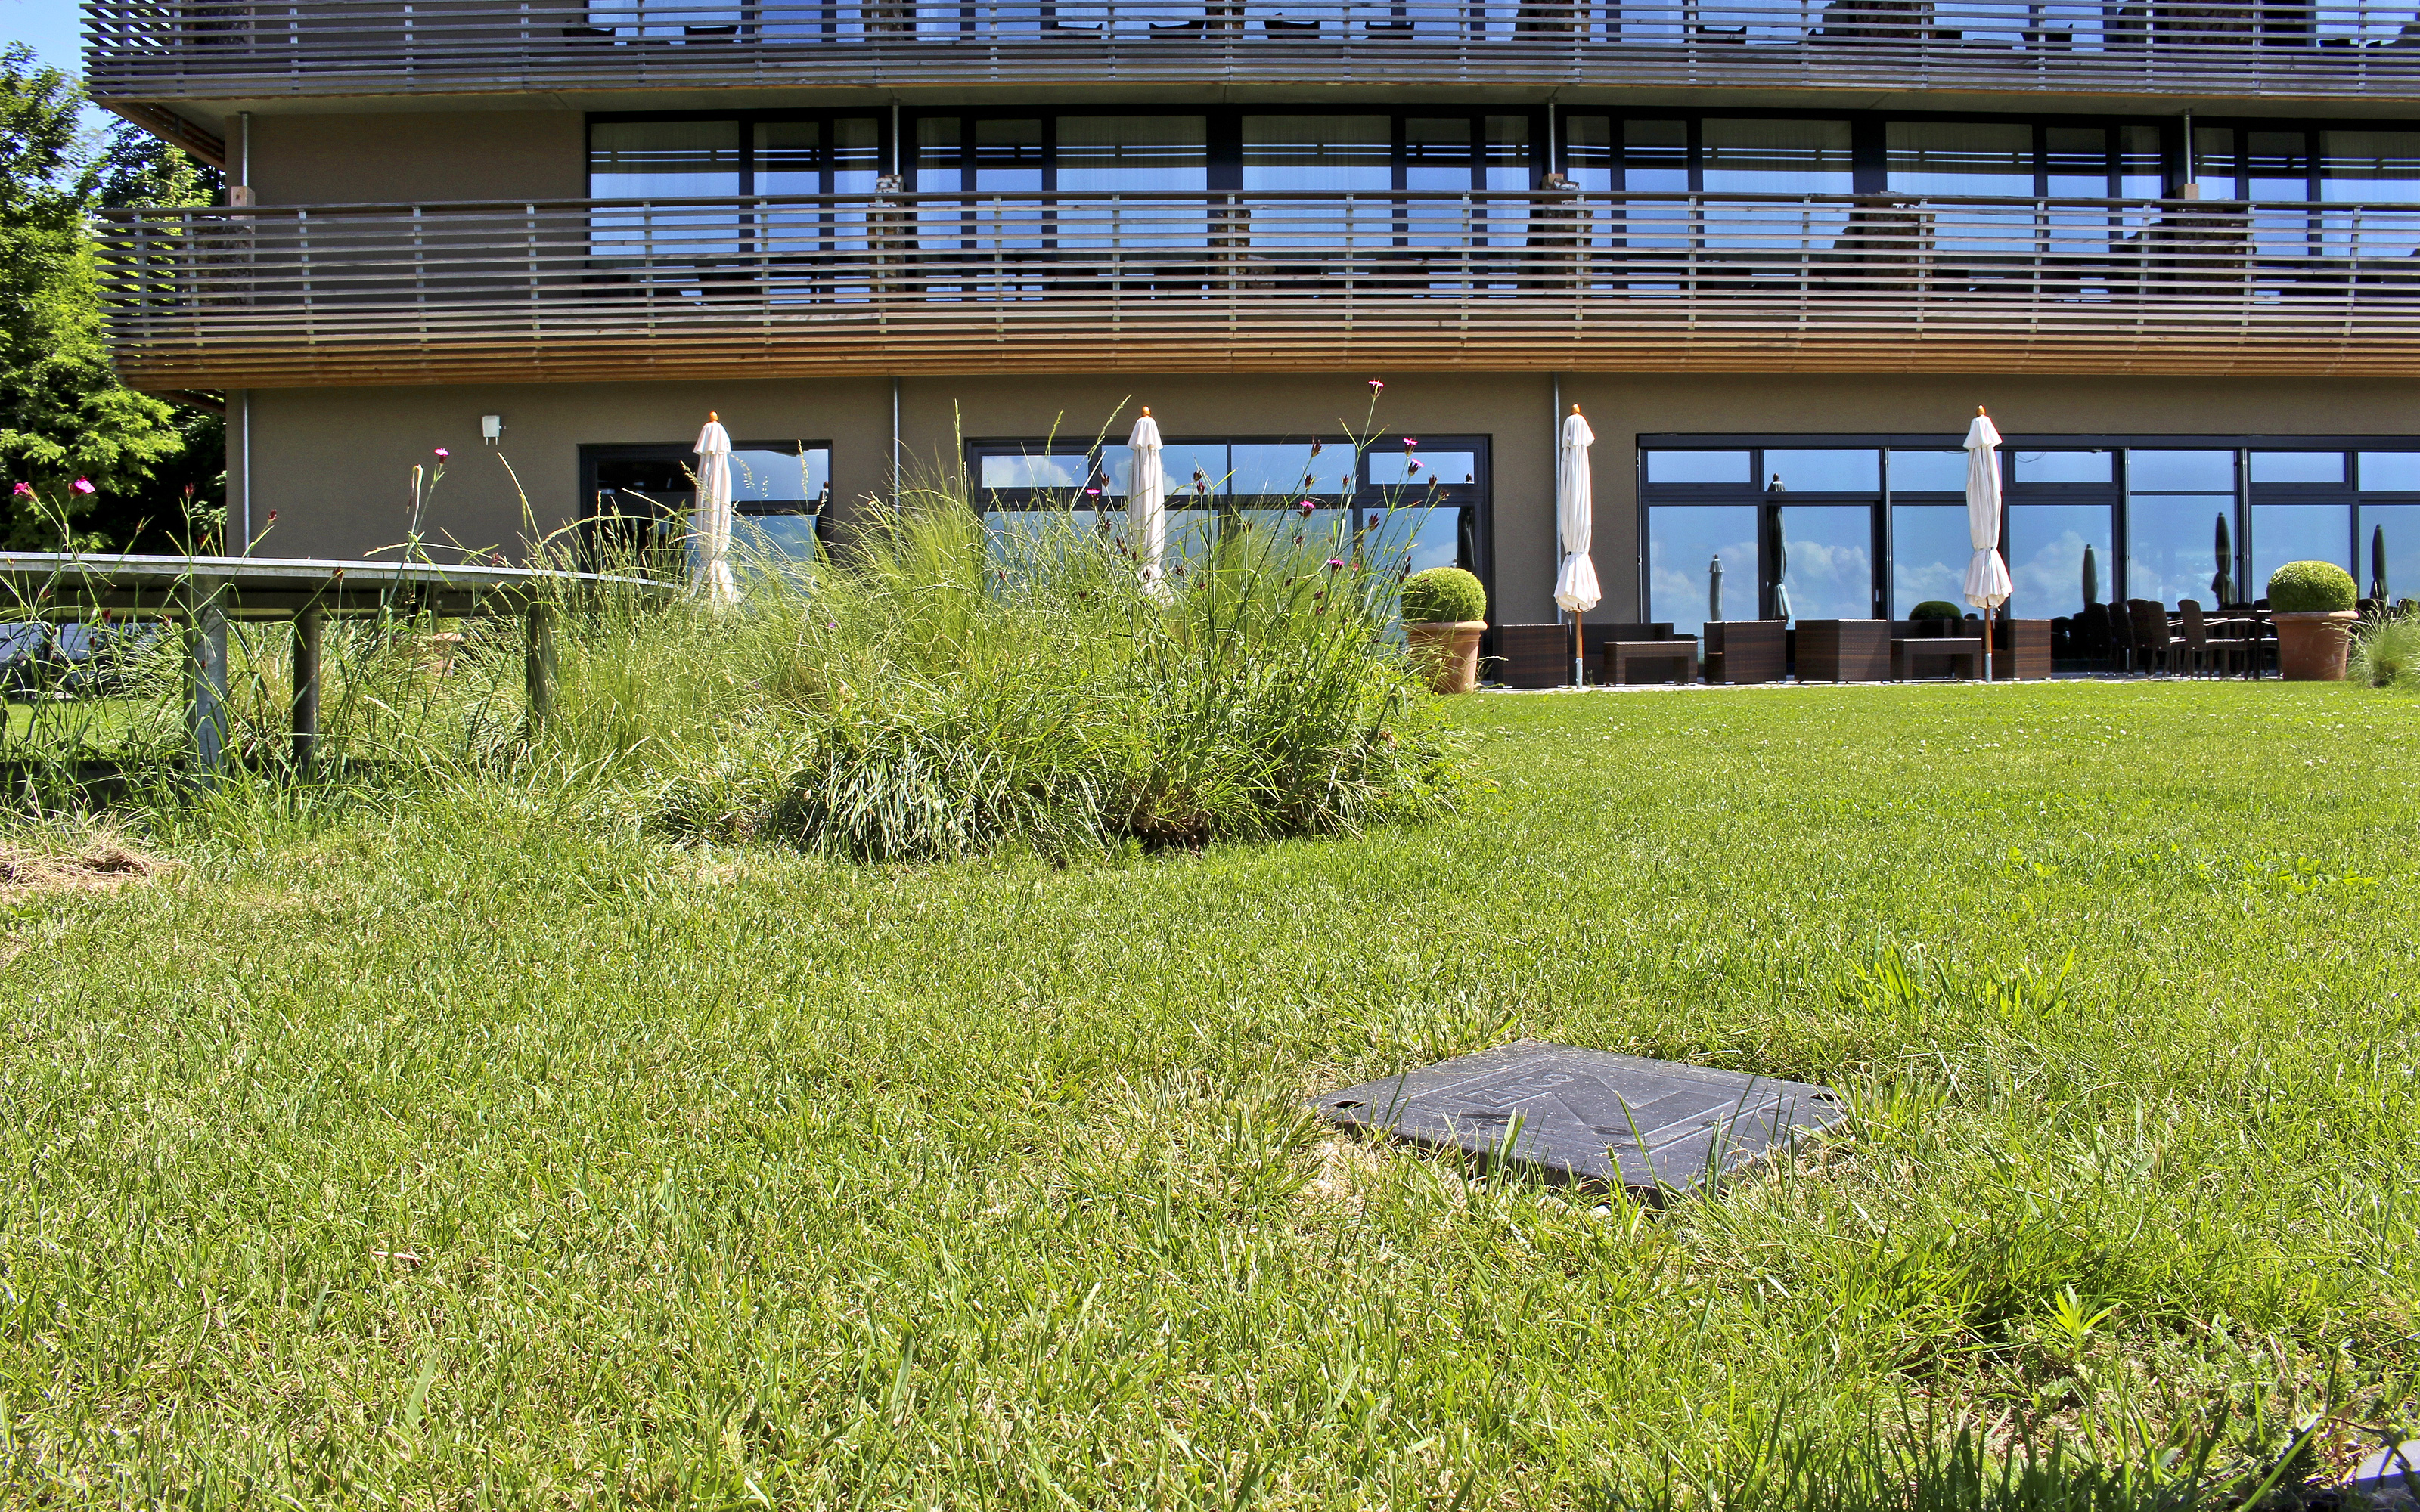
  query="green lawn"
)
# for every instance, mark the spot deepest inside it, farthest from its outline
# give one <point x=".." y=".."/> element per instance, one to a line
<point x="501" y="1156"/>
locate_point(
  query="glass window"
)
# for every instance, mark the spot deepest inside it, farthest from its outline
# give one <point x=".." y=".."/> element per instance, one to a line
<point x="1930" y="550"/>
<point x="1588" y="157"/>
<point x="1348" y="153"/>
<point x="2299" y="533"/>
<point x="2180" y="472"/>
<point x="1288" y="468"/>
<point x="1413" y="537"/>
<point x="1830" y="566"/>
<point x="1053" y="471"/>
<point x="1704" y="467"/>
<point x="2049" y="549"/>
<point x="2075" y="162"/>
<point x="1770" y="157"/>
<point x="663" y="159"/>
<point x="767" y="476"/>
<point x="2369" y="167"/>
<point x="1008" y="155"/>
<point x="1130" y="154"/>
<point x="2172" y="546"/>
<point x="1655" y="157"/>
<point x="1685" y="542"/>
<point x="1505" y="153"/>
<point x="2061" y="467"/>
<point x="1200" y="469"/>
<point x="2390" y="471"/>
<point x="1962" y="158"/>
<point x="1436" y="152"/>
<point x="789" y="158"/>
<point x="1824" y="471"/>
<point x="1450" y="470"/>
<point x="1928" y="472"/>
<point x="2400" y="528"/>
<point x="2214" y="165"/>
<point x="939" y="156"/>
<point x="2298" y="467"/>
<point x="2141" y="168"/>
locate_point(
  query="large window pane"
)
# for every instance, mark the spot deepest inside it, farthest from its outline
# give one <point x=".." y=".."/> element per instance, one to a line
<point x="1928" y="472"/>
<point x="2401" y="524"/>
<point x="779" y="477"/>
<point x="2299" y="533"/>
<point x="1930" y="550"/>
<point x="1045" y="472"/>
<point x="1830" y="573"/>
<point x="1131" y="154"/>
<point x="2172" y="545"/>
<point x="664" y="160"/>
<point x="2046" y="549"/>
<point x="1391" y="468"/>
<point x="1684" y="541"/>
<point x="1351" y="153"/>
<point x="2371" y="168"/>
<point x="1962" y="157"/>
<point x="1288" y="470"/>
<point x="1823" y="471"/>
<point x="1413" y="537"/>
<point x="1761" y="156"/>
<point x="1698" y="466"/>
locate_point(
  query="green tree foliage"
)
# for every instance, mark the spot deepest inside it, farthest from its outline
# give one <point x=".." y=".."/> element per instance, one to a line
<point x="63" y="414"/>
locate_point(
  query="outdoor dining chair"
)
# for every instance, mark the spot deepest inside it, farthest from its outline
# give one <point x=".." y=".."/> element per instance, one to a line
<point x="2204" y="653"/>
<point x="2157" y="646"/>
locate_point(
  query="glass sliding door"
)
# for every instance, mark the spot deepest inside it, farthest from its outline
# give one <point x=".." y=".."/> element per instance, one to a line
<point x="2178" y="503"/>
<point x="1829" y="570"/>
<point x="2047" y="548"/>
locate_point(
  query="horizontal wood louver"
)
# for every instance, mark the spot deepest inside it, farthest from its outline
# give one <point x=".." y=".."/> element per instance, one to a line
<point x="593" y="290"/>
<point x="242" y="49"/>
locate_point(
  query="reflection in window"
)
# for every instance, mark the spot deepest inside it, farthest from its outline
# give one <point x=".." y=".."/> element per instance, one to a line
<point x="1684" y="541"/>
<point x="1967" y="157"/>
<point x="1390" y="470"/>
<point x="2301" y="533"/>
<point x="1289" y="469"/>
<point x="2401" y="526"/>
<point x="1132" y="154"/>
<point x="1930" y="550"/>
<point x="1824" y="471"/>
<point x="2298" y="467"/>
<point x="2046" y="547"/>
<point x="763" y="476"/>
<point x="2062" y="466"/>
<point x="1698" y="466"/>
<point x="1830" y="571"/>
<point x="1059" y="471"/>
<point x="2180" y="472"/>
<point x="1928" y="472"/>
<point x="1352" y="153"/>
<point x="1768" y="157"/>
<point x="2390" y="471"/>
<point x="2172" y="547"/>
<point x="664" y="160"/>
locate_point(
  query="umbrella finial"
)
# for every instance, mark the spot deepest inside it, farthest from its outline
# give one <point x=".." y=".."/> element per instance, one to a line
<point x="1146" y="412"/>
<point x="712" y="417"/>
<point x="1979" y="409"/>
<point x="1575" y="408"/>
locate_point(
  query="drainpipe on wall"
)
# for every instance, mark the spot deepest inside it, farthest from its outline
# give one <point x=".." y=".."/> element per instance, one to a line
<point x="2191" y="188"/>
<point x="894" y="443"/>
<point x="240" y="196"/>
<point x="244" y="454"/>
<point x="1554" y="530"/>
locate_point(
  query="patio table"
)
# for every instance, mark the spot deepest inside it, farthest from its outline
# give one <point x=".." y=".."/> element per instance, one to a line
<point x="205" y="593"/>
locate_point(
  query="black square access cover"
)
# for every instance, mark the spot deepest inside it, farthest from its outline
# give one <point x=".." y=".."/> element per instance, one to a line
<point x="1589" y="1117"/>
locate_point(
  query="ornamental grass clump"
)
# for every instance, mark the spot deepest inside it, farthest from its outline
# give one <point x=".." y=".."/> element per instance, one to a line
<point x="941" y="689"/>
<point x="2386" y="653"/>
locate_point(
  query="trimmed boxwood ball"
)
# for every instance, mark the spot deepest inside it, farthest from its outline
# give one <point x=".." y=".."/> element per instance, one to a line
<point x="1443" y="596"/>
<point x="2311" y="587"/>
<point x="1937" y="609"/>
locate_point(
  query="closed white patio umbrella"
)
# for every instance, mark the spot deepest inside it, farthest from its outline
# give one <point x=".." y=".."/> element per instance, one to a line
<point x="1576" y="586"/>
<point x="1146" y="502"/>
<point x="1987" y="576"/>
<point x="712" y="527"/>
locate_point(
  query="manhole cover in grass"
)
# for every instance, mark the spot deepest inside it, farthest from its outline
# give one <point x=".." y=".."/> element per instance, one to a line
<point x="1587" y="1117"/>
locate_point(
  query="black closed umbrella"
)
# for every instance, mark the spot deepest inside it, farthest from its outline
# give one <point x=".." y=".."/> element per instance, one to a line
<point x="1715" y="590"/>
<point x="2092" y="575"/>
<point x="2220" y="580"/>
<point x="2378" y="565"/>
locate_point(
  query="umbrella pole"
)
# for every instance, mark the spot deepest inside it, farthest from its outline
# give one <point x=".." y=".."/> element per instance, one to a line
<point x="1988" y="615"/>
<point x="1579" y="658"/>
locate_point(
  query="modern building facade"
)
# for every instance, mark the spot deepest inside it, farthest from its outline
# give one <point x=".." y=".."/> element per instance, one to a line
<point x="1776" y="251"/>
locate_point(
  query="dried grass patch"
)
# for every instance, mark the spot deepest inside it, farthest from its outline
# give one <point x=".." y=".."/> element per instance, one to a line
<point x="98" y="865"/>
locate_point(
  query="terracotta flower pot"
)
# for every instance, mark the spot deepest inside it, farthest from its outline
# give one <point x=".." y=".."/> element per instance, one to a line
<point x="2311" y="644"/>
<point x="1447" y="654"/>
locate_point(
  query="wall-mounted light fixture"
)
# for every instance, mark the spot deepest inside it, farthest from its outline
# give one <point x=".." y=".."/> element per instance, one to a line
<point x="491" y="428"/>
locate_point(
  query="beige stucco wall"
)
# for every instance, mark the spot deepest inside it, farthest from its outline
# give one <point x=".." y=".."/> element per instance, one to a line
<point x="383" y="160"/>
<point x="335" y="463"/>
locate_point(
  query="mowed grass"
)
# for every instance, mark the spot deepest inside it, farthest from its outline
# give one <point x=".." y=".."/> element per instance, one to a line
<point x="491" y="1153"/>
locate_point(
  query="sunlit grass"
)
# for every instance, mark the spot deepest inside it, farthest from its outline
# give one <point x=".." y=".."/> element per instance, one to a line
<point x="490" y="1143"/>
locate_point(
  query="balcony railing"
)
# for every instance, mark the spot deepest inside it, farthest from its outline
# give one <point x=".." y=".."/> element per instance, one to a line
<point x="222" y="49"/>
<point x="595" y="289"/>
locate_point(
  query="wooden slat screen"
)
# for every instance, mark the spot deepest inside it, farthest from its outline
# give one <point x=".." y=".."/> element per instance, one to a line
<point x="592" y="289"/>
<point x="225" y="48"/>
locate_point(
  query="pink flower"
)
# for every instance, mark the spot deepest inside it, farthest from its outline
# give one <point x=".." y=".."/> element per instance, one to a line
<point x="1306" y="506"/>
<point x="1375" y="384"/>
<point x="1410" y="441"/>
<point x="1335" y="564"/>
<point x="81" y="486"/>
<point x="1415" y="464"/>
<point x="443" y="454"/>
<point x="22" y="490"/>
<point x="272" y="516"/>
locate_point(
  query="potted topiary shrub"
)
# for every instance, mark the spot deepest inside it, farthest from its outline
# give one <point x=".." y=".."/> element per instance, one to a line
<point x="1936" y="616"/>
<point x="2311" y="605"/>
<point x="1444" y="612"/>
